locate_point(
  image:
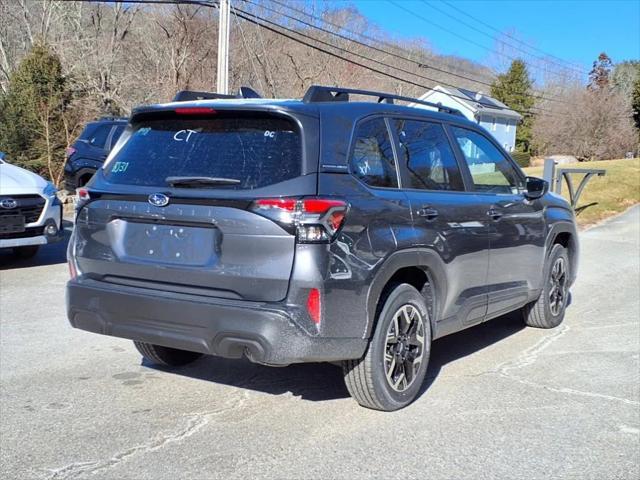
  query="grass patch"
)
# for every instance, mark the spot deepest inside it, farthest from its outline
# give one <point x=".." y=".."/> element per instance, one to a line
<point x="615" y="192"/>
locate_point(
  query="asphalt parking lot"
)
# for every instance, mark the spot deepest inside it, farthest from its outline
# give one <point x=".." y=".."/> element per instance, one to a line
<point x="502" y="401"/>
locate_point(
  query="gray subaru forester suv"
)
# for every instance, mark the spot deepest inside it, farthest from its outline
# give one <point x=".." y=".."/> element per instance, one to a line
<point x="315" y="230"/>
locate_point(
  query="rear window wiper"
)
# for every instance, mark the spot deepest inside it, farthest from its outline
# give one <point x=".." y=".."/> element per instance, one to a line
<point x="200" y="181"/>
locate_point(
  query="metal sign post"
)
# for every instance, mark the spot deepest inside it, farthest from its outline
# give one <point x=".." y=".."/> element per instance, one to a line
<point x="555" y="176"/>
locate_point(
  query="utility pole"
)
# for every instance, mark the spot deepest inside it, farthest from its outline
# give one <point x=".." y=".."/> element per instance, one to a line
<point x="222" y="84"/>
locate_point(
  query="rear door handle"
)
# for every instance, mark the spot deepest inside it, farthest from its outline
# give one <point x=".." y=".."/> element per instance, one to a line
<point x="428" y="212"/>
<point x="494" y="213"/>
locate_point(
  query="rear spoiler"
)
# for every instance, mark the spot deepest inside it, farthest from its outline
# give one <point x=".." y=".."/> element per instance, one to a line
<point x="190" y="95"/>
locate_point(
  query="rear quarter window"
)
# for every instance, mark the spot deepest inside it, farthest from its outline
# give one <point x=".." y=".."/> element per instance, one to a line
<point x="257" y="151"/>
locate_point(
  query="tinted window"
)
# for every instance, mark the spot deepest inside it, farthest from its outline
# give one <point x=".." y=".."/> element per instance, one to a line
<point x="116" y="134"/>
<point x="428" y="156"/>
<point x="490" y="169"/>
<point x="372" y="158"/>
<point x="256" y="151"/>
<point x="98" y="137"/>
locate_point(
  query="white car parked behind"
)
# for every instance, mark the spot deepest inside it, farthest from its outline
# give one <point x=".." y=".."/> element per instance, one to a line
<point x="30" y="212"/>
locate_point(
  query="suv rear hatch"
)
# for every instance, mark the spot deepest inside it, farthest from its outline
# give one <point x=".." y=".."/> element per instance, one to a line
<point x="174" y="207"/>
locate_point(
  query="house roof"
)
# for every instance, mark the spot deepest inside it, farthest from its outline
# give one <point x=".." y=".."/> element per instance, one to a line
<point x="477" y="102"/>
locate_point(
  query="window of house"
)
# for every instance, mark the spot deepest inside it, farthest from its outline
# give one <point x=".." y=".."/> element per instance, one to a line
<point x="494" y="124"/>
<point x="372" y="159"/>
<point x="427" y="156"/>
<point x="508" y="125"/>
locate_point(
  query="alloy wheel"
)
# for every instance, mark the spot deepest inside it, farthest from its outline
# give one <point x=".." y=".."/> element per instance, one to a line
<point x="558" y="287"/>
<point x="405" y="347"/>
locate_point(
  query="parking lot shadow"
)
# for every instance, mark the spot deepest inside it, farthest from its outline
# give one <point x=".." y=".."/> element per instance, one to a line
<point x="50" y="254"/>
<point x="322" y="381"/>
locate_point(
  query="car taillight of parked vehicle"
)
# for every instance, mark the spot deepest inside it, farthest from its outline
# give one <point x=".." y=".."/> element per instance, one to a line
<point x="69" y="151"/>
<point x="82" y="197"/>
<point x="316" y="220"/>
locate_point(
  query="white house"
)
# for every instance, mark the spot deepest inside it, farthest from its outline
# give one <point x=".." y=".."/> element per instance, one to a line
<point x="492" y="114"/>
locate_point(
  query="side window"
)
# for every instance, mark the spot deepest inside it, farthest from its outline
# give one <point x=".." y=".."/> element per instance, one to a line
<point x="490" y="169"/>
<point x="99" y="136"/>
<point x="116" y="135"/>
<point x="428" y="157"/>
<point x="372" y="158"/>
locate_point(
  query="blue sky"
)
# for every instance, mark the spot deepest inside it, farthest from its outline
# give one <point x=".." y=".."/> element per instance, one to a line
<point x="575" y="30"/>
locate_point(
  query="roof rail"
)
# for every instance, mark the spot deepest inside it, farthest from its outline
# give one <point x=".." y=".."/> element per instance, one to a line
<point x="319" y="93"/>
<point x="188" y="95"/>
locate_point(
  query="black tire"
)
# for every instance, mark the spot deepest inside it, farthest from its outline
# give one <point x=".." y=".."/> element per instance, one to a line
<point x="366" y="378"/>
<point x="26" y="252"/>
<point x="549" y="309"/>
<point x="165" y="356"/>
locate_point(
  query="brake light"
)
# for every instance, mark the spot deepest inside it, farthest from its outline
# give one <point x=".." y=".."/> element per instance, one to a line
<point x="194" y="110"/>
<point x="314" y="305"/>
<point x="82" y="193"/>
<point x="82" y="197"/>
<point x="69" y="151"/>
<point x="315" y="220"/>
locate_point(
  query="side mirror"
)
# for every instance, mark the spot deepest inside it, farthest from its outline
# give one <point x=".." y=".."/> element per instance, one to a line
<point x="535" y="187"/>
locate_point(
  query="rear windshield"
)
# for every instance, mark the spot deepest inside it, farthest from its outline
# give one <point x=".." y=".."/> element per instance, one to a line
<point x="256" y="151"/>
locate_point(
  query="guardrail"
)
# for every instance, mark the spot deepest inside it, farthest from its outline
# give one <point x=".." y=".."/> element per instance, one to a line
<point x="555" y="176"/>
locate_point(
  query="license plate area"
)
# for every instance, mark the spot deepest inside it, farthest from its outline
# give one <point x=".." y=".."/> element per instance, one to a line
<point x="161" y="243"/>
<point x="12" y="224"/>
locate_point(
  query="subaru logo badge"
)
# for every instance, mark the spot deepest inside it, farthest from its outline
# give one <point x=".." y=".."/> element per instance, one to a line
<point x="8" y="203"/>
<point x="158" y="200"/>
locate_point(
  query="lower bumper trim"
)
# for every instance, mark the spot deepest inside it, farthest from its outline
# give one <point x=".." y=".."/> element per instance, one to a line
<point x="227" y="329"/>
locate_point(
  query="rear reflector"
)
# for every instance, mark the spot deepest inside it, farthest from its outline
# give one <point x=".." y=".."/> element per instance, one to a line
<point x="314" y="305"/>
<point x="194" y="110"/>
<point x="73" y="273"/>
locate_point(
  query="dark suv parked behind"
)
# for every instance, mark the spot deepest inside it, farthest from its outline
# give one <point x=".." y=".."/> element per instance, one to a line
<point x="89" y="151"/>
<point x="315" y="230"/>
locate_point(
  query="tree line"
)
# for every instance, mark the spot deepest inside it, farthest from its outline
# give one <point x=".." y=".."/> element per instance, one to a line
<point x="65" y="63"/>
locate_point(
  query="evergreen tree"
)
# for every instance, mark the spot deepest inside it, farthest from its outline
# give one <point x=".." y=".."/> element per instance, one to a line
<point x="513" y="88"/>
<point x="600" y="73"/>
<point x="635" y="103"/>
<point x="32" y="130"/>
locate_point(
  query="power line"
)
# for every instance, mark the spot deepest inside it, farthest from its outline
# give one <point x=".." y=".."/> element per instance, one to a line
<point x="246" y="48"/>
<point x="476" y="29"/>
<point x="528" y="45"/>
<point x="420" y="65"/>
<point x="259" y="21"/>
<point x="462" y="37"/>
<point x="364" y="36"/>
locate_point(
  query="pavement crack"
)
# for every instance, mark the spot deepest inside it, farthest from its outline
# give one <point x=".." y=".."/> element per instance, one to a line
<point x="195" y="422"/>
<point x="531" y="354"/>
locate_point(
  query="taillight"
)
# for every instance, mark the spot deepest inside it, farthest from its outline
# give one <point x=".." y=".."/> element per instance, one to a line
<point x="69" y="151"/>
<point x="82" y="197"/>
<point x="316" y="220"/>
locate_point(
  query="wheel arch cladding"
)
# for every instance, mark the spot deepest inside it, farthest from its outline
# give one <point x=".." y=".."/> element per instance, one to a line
<point x="565" y="234"/>
<point x="421" y="268"/>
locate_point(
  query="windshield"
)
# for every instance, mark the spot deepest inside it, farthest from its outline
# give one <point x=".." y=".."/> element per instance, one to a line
<point x="255" y="151"/>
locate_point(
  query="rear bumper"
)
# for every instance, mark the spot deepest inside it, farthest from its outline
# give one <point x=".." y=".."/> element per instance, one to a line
<point x="228" y="328"/>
